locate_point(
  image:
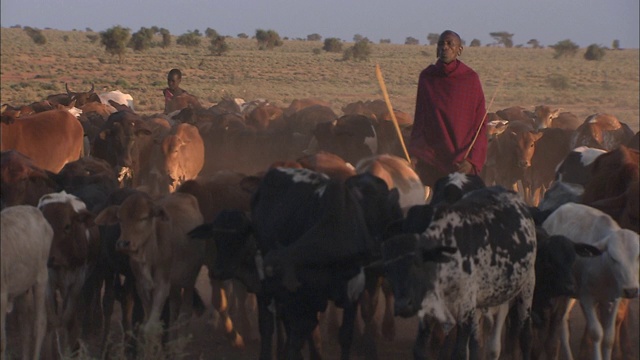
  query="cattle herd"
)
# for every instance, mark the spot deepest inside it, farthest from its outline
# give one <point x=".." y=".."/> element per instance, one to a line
<point x="302" y="210"/>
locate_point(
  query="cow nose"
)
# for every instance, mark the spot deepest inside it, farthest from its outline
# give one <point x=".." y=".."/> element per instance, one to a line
<point x="122" y="245"/>
<point x="524" y="164"/>
<point x="630" y="293"/>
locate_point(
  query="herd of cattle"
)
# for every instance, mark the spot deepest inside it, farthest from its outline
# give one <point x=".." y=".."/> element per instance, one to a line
<point x="102" y="204"/>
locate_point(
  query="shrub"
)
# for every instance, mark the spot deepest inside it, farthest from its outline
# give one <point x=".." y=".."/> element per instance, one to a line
<point x="432" y="38"/>
<point x="564" y="48"/>
<point x="65" y="38"/>
<point x="360" y="51"/>
<point x="332" y="45"/>
<point x="475" y="43"/>
<point x="166" y="38"/>
<point x="92" y="38"/>
<point x="36" y="35"/>
<point x="558" y="81"/>
<point x="218" y="45"/>
<point x="190" y="39"/>
<point x="314" y="37"/>
<point x="316" y="51"/>
<point x="242" y="36"/>
<point x="411" y="41"/>
<point x="141" y="40"/>
<point x="503" y="37"/>
<point x="615" y="45"/>
<point x="211" y="33"/>
<point x="594" y="52"/>
<point x="268" y="39"/>
<point x="385" y="41"/>
<point x="115" y="40"/>
<point x="534" y="43"/>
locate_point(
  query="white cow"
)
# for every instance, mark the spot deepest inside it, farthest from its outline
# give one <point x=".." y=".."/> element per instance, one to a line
<point x="25" y="241"/>
<point x="601" y="280"/>
<point x="117" y="96"/>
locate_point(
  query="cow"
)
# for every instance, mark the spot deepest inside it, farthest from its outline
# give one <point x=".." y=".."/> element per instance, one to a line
<point x="516" y="113"/>
<point x="330" y="164"/>
<point x="295" y="213"/>
<point x="576" y="166"/>
<point x="21" y="181"/>
<point x="179" y="102"/>
<point x="545" y="118"/>
<point x="178" y="157"/>
<point x="601" y="131"/>
<point x="299" y="104"/>
<point x="476" y="253"/>
<point x="117" y="96"/>
<point x="80" y="98"/>
<point x="352" y="137"/>
<point x="25" y="243"/>
<point x="50" y="138"/>
<point x="263" y="115"/>
<point x="550" y="150"/>
<point x="164" y="261"/>
<point x="73" y="255"/>
<point x="602" y="280"/>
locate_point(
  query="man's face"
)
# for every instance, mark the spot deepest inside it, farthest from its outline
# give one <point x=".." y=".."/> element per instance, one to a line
<point x="449" y="47"/>
<point x="173" y="81"/>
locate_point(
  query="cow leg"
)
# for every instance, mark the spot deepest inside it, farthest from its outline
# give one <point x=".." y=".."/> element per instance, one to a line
<point x="368" y="304"/>
<point x="345" y="336"/>
<point x="420" y="345"/>
<point x="315" y="344"/>
<point x="220" y="303"/>
<point x="564" y="332"/>
<point x="595" y="330"/>
<point x="388" y="321"/>
<point x="622" y="343"/>
<point x="266" y="321"/>
<point x="495" y="337"/>
<point x="464" y="333"/>
<point x="609" y="313"/>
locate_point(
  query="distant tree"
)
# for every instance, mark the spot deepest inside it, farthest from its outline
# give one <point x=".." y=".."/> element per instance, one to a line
<point x="210" y="33"/>
<point x="475" y="43"/>
<point x="141" y="40"/>
<point x="268" y="39"/>
<point x="243" y="36"/>
<point x="411" y="41"/>
<point x="615" y="45"/>
<point x="166" y="38"/>
<point x="332" y="45"/>
<point x="534" y="43"/>
<point x="360" y="51"/>
<point x="36" y="35"/>
<point x="316" y="51"/>
<point x="92" y="38"/>
<point x="357" y="37"/>
<point x="218" y="45"/>
<point x="503" y="37"/>
<point x="385" y="41"/>
<point x="564" y="48"/>
<point x="65" y="38"/>
<point x="190" y="39"/>
<point x="594" y="52"/>
<point x="432" y="38"/>
<point x="314" y="37"/>
<point x="88" y="29"/>
<point x="16" y="26"/>
<point x="155" y="29"/>
<point x="115" y="40"/>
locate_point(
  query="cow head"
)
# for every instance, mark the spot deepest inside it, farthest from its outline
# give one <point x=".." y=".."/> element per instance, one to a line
<point x="21" y="182"/>
<point x="452" y="187"/>
<point x="73" y="227"/>
<point x="137" y="217"/>
<point x="121" y="136"/>
<point x="622" y="247"/>
<point x="525" y="145"/>
<point x="543" y="116"/>
<point x="82" y="98"/>
<point x="411" y="269"/>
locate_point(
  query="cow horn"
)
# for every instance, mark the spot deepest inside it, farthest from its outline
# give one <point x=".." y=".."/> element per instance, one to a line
<point x="92" y="87"/>
<point x="66" y="86"/>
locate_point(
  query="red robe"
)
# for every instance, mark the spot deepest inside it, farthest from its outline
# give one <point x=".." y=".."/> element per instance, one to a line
<point x="449" y="110"/>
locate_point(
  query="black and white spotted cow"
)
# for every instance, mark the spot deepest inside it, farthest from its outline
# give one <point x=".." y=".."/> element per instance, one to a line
<point x="306" y="243"/>
<point x="477" y="253"/>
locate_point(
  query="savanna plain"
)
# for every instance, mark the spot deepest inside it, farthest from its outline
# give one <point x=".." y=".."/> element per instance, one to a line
<point x="510" y="76"/>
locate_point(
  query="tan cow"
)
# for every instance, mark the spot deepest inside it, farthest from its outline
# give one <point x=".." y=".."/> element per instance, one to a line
<point x="24" y="248"/>
<point x="544" y="118"/>
<point x="50" y="138"/>
<point x="163" y="258"/>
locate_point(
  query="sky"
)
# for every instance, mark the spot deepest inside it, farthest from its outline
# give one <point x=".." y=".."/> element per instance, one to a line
<point x="584" y="22"/>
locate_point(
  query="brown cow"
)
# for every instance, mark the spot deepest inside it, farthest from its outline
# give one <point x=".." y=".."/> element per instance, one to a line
<point x="180" y="102"/>
<point x="299" y="104"/>
<point x="262" y="116"/>
<point x="544" y="118"/>
<point x="24" y="248"/>
<point x="80" y="98"/>
<point x="50" y="138"/>
<point x="516" y="113"/>
<point x="163" y="258"/>
<point x="179" y="156"/>
<point x="74" y="251"/>
<point x="601" y="131"/>
<point x="21" y="182"/>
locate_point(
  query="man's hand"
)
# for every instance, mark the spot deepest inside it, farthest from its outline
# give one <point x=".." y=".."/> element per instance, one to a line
<point x="465" y="167"/>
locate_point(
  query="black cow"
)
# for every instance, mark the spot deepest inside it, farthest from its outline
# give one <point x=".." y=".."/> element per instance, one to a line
<point x="477" y="253"/>
<point x="312" y="237"/>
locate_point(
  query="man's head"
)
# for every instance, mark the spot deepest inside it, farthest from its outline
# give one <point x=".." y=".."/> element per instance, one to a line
<point x="449" y="46"/>
<point x="173" y="79"/>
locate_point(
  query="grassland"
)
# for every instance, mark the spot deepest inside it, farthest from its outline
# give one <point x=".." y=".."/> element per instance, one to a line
<point x="516" y="76"/>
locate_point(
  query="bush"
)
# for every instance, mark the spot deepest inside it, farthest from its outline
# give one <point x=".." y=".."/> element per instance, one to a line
<point x="594" y="52"/>
<point x="242" y="36"/>
<point x="360" y="51"/>
<point x="268" y="39"/>
<point x="92" y="38"/>
<point x="332" y="45"/>
<point x="166" y="38"/>
<point x="190" y="39"/>
<point x="474" y="43"/>
<point x="314" y="37"/>
<point x="115" y="40"/>
<point x="615" y="45"/>
<point x="36" y="35"/>
<point x="558" y="81"/>
<point x="218" y="45"/>
<point x="211" y="33"/>
<point x="65" y="38"/>
<point x="432" y="38"/>
<point x="411" y="41"/>
<point x="565" y="48"/>
<point x="141" y="40"/>
<point x="316" y="51"/>
<point x="385" y="41"/>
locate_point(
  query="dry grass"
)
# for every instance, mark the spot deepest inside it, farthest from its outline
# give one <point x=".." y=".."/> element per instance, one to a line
<point x="529" y="77"/>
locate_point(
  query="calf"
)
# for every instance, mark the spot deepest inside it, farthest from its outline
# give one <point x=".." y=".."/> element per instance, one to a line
<point x="601" y="280"/>
<point x="477" y="253"/>
<point x="545" y="118"/>
<point x="25" y="243"/>
<point x="21" y="181"/>
<point x="601" y="131"/>
<point x="164" y="262"/>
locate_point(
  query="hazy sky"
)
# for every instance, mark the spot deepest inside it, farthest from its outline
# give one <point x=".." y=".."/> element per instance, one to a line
<point x="584" y="22"/>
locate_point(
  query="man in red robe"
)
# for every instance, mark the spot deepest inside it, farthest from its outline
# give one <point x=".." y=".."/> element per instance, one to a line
<point x="450" y="108"/>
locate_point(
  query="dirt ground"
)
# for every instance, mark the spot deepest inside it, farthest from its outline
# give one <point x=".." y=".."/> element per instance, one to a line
<point x="209" y="343"/>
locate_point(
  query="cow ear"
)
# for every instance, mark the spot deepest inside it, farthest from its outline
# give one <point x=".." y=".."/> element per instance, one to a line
<point x="86" y="218"/>
<point x="160" y="213"/>
<point x="439" y="254"/>
<point x="108" y="216"/>
<point x="586" y="250"/>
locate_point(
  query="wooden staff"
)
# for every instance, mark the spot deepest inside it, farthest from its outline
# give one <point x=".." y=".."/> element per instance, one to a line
<point x="383" y="87"/>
